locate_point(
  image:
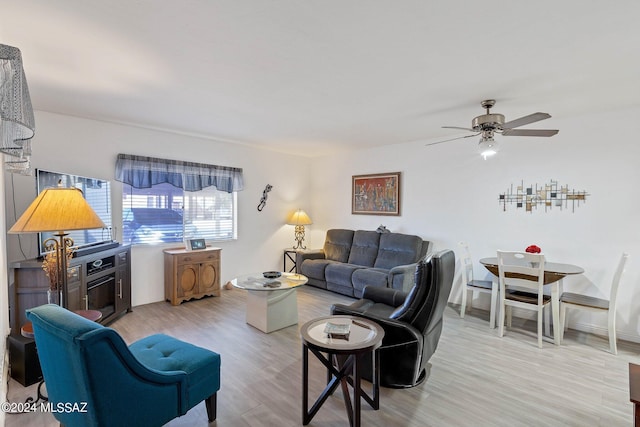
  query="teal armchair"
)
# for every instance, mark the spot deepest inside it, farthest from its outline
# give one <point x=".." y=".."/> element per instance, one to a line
<point x="89" y="369"/>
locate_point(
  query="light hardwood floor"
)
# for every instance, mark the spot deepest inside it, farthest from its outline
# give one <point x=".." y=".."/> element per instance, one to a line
<point x="476" y="378"/>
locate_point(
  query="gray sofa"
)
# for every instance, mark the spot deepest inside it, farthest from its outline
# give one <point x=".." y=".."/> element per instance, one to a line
<point x="351" y="260"/>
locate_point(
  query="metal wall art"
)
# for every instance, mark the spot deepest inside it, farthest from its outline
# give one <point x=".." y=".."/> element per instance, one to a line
<point x="544" y="196"/>
<point x="263" y="199"/>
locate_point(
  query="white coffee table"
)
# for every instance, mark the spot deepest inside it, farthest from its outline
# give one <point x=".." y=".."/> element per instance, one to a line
<point x="271" y="308"/>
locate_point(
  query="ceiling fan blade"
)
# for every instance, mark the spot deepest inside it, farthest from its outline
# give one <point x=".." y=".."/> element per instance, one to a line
<point x="529" y="132"/>
<point x="531" y="118"/>
<point x="452" y="139"/>
<point x="457" y="127"/>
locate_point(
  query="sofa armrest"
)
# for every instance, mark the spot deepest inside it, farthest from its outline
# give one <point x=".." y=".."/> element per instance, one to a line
<point x="307" y="254"/>
<point x="387" y="296"/>
<point x="402" y="277"/>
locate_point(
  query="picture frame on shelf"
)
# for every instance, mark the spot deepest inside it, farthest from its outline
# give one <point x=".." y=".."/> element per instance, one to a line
<point x="196" y="244"/>
<point x="376" y="194"/>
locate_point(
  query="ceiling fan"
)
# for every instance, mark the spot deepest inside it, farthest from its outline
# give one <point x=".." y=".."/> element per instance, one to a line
<point x="491" y="123"/>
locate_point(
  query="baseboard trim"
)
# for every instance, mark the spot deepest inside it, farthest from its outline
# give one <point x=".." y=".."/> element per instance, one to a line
<point x="578" y="326"/>
<point x="604" y="332"/>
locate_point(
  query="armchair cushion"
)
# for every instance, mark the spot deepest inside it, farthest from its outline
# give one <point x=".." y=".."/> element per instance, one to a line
<point x="418" y="298"/>
<point x="166" y="354"/>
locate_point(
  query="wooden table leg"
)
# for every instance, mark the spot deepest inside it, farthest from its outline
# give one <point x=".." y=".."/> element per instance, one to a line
<point x="555" y="308"/>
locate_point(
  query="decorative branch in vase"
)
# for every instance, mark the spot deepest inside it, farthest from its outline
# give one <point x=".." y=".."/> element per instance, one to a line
<point x="51" y="268"/>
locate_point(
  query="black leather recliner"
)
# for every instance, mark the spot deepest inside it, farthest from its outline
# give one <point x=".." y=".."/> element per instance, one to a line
<point x="412" y="321"/>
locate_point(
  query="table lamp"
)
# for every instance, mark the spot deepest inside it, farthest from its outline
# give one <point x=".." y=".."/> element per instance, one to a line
<point x="56" y="210"/>
<point x="299" y="218"/>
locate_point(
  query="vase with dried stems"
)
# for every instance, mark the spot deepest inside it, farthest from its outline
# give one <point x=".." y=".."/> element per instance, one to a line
<point x="51" y="268"/>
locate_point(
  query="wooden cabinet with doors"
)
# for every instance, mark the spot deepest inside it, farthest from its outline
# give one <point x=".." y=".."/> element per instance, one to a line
<point x="191" y="274"/>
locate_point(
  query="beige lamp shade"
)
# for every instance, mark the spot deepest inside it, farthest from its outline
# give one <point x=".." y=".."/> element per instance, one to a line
<point x="57" y="209"/>
<point x="299" y="217"/>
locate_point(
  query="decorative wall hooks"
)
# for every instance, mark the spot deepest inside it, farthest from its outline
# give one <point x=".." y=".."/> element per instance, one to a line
<point x="546" y="195"/>
<point x="263" y="200"/>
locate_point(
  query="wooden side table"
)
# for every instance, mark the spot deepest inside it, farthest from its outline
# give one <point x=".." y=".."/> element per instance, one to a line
<point x="343" y="360"/>
<point x="27" y="331"/>
<point x="94" y="315"/>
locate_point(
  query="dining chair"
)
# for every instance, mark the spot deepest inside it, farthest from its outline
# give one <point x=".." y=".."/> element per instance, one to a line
<point x="521" y="278"/>
<point x="472" y="285"/>
<point x="589" y="303"/>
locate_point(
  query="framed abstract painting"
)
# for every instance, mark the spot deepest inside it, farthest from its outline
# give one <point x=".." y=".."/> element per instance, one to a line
<point x="376" y="194"/>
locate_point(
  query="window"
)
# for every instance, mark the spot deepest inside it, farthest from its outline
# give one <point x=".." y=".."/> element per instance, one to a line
<point x="164" y="213"/>
<point x="96" y="192"/>
<point x="156" y="209"/>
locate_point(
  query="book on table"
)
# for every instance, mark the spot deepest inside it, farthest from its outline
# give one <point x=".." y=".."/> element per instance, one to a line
<point x="337" y="330"/>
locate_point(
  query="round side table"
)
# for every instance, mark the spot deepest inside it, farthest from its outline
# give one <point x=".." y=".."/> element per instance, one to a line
<point x="27" y="331"/>
<point x="344" y="339"/>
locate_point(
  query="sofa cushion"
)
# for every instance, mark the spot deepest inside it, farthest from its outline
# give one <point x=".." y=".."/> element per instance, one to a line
<point x="337" y="244"/>
<point x="340" y="289"/>
<point x="315" y="268"/>
<point x="398" y="249"/>
<point x="364" y="248"/>
<point x="368" y="277"/>
<point x="339" y="277"/>
<point x="340" y="274"/>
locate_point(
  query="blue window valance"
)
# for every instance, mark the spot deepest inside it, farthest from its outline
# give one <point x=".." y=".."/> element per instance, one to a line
<point x="144" y="172"/>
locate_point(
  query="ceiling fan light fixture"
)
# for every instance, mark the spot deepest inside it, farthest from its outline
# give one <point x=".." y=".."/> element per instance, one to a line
<point x="490" y="123"/>
<point x="487" y="147"/>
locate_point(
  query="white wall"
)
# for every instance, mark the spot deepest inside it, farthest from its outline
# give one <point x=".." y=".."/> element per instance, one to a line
<point x="89" y="148"/>
<point x="449" y="194"/>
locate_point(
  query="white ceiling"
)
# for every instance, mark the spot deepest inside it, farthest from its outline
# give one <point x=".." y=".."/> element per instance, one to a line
<point x="317" y="76"/>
